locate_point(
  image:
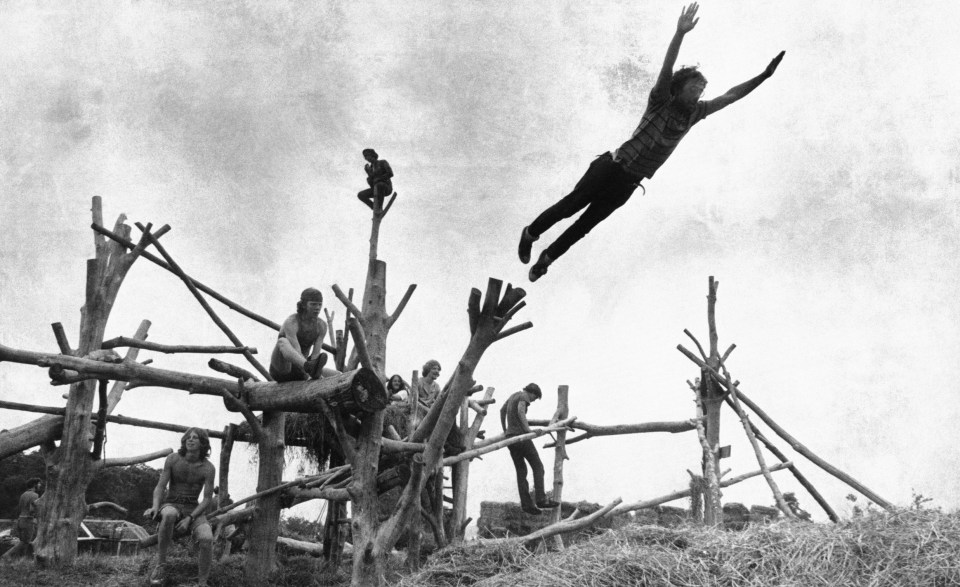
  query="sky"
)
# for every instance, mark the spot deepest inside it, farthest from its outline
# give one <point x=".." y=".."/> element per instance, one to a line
<point x="825" y="203"/>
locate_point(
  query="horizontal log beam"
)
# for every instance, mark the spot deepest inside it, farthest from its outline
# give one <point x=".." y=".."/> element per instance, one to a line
<point x="127" y="461"/>
<point x="125" y="341"/>
<point x="360" y="389"/>
<point x="592" y="430"/>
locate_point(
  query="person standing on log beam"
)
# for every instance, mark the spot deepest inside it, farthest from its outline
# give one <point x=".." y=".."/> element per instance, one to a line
<point x="26" y="526"/>
<point x="187" y="471"/>
<point x="513" y="419"/>
<point x="673" y="107"/>
<point x="378" y="178"/>
<point x="298" y="354"/>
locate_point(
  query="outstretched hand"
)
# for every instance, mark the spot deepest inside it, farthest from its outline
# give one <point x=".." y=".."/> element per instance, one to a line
<point x="773" y="64"/>
<point x="688" y="18"/>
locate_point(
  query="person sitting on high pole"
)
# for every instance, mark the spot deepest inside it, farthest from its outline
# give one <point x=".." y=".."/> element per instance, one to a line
<point x="298" y="354"/>
<point x="674" y="106"/>
<point x="378" y="178"/>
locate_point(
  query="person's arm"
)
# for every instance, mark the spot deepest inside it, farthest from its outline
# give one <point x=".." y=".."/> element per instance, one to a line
<point x="318" y="343"/>
<point x="741" y="90"/>
<point x="522" y="416"/>
<point x="503" y="417"/>
<point x="161" y="487"/>
<point x="289" y="331"/>
<point x="685" y="24"/>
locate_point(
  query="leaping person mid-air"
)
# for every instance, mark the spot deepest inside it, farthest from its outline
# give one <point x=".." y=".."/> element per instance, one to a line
<point x="673" y="107"/>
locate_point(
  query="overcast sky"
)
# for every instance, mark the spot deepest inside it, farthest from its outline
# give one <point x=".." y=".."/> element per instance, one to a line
<point x="825" y="203"/>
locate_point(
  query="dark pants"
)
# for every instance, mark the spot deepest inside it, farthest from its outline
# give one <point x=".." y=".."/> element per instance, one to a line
<point x="378" y="190"/>
<point x="526" y="451"/>
<point x="602" y="189"/>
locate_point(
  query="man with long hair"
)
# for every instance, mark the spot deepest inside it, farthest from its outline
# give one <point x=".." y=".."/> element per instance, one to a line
<point x="673" y="108"/>
<point x="187" y="472"/>
<point x="298" y="354"/>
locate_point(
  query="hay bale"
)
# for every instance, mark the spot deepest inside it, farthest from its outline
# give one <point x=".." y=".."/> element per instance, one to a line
<point x="736" y="516"/>
<point x="760" y="514"/>
<point x="671" y="517"/>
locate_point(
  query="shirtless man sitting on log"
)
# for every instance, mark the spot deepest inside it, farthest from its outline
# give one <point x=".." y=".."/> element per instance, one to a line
<point x="187" y="471"/>
<point x="298" y="354"/>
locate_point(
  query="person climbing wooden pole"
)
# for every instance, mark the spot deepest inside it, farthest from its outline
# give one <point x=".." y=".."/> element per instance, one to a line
<point x="673" y="108"/>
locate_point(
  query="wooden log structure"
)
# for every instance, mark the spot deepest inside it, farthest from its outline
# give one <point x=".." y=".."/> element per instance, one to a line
<point x="793" y="442"/>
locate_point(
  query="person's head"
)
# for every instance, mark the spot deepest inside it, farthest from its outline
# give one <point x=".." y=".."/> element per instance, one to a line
<point x="533" y="392"/>
<point x="311" y="301"/>
<point x="431" y="370"/>
<point x="687" y="86"/>
<point x="395" y="384"/>
<point x="370" y="155"/>
<point x="195" y="439"/>
<point x="32" y="484"/>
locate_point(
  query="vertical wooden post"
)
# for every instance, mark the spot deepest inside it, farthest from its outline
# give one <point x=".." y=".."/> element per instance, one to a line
<point x="226" y="450"/>
<point x="711" y="398"/>
<point x="415" y="532"/>
<point x="461" y="471"/>
<point x="261" y="559"/>
<point x="560" y="455"/>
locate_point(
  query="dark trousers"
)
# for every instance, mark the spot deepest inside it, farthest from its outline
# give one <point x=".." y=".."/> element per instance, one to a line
<point x="523" y="453"/>
<point x="602" y="189"/>
<point x="380" y="189"/>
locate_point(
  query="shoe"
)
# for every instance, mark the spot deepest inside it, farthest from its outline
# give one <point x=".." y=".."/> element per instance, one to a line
<point x="547" y="504"/>
<point x="539" y="268"/>
<point x="314" y="367"/>
<point x="526" y="243"/>
<point x="531" y="509"/>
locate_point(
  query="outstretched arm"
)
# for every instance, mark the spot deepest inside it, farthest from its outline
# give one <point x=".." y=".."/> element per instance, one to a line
<point x="739" y="91"/>
<point x="688" y="19"/>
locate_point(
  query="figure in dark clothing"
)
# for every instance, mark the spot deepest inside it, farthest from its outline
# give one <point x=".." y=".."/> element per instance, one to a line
<point x="378" y="178"/>
<point x="513" y="418"/>
<point x="673" y="108"/>
<point x="26" y="526"/>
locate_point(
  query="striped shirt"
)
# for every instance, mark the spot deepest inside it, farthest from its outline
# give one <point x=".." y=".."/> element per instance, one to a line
<point x="658" y="134"/>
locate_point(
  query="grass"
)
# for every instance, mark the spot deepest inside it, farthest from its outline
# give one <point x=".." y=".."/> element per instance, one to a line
<point x="905" y="549"/>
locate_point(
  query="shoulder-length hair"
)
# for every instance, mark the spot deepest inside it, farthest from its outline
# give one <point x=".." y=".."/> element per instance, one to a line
<point x="202" y="436"/>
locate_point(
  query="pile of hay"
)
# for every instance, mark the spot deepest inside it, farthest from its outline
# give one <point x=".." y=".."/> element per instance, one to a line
<point x="908" y="548"/>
